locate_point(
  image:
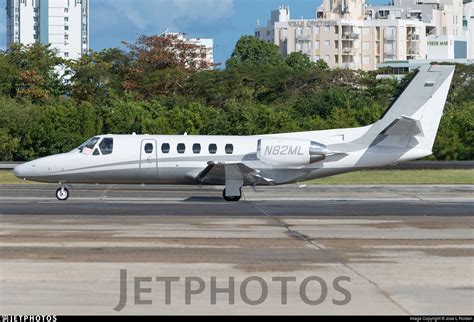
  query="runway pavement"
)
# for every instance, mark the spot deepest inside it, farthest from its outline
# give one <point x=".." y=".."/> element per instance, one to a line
<point x="340" y="249"/>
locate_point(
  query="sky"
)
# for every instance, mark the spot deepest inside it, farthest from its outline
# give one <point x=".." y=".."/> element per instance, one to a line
<point x="114" y="21"/>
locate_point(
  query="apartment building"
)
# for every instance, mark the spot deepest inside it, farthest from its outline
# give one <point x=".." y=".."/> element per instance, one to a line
<point x="62" y="23"/>
<point x="351" y="34"/>
<point x="468" y="27"/>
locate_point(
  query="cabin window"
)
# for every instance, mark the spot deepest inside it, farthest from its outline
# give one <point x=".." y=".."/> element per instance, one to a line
<point x="181" y="148"/>
<point x="165" y="148"/>
<point x="197" y="148"/>
<point x="107" y="146"/>
<point x="429" y="84"/>
<point x="212" y="148"/>
<point x="149" y="148"/>
<point x="229" y="149"/>
<point x="96" y="152"/>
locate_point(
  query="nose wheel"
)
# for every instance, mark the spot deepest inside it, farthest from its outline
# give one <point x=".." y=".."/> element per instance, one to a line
<point x="62" y="194"/>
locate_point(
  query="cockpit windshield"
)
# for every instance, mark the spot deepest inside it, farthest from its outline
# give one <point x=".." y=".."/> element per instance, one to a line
<point x="88" y="146"/>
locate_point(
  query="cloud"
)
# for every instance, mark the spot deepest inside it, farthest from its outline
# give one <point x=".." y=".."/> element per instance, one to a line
<point x="154" y="16"/>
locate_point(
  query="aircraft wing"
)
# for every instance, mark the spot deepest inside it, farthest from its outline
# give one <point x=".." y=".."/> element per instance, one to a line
<point x="220" y="172"/>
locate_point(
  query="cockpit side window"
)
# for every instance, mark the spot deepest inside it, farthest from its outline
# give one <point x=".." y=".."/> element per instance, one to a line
<point x="107" y="146"/>
<point x="88" y="146"/>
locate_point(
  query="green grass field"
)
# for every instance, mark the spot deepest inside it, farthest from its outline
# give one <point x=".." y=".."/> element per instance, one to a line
<point x="7" y="177"/>
<point x="358" y="178"/>
<point x="400" y="177"/>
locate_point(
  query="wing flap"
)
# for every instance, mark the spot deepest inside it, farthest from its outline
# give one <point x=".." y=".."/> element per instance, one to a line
<point x="220" y="172"/>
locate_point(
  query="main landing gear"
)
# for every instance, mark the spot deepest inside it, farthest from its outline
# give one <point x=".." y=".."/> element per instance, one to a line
<point x="232" y="198"/>
<point x="62" y="193"/>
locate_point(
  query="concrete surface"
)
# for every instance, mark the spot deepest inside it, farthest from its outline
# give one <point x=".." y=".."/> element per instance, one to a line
<point x="399" y="250"/>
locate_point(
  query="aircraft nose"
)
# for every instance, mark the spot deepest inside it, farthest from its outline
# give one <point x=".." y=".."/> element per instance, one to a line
<point x="18" y="170"/>
<point x="23" y="170"/>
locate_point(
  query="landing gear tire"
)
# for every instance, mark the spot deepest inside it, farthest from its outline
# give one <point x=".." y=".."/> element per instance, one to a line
<point x="232" y="199"/>
<point x="62" y="194"/>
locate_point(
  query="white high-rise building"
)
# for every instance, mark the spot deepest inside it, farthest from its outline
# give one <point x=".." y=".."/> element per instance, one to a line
<point x="62" y="23"/>
<point x="206" y="43"/>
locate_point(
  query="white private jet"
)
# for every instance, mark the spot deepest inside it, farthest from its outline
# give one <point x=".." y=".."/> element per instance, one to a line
<point x="405" y="132"/>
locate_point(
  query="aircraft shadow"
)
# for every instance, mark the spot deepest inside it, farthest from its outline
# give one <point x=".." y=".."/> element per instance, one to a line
<point x="204" y="199"/>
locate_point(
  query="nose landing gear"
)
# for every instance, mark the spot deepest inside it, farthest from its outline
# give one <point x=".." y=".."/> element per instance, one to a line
<point x="62" y="194"/>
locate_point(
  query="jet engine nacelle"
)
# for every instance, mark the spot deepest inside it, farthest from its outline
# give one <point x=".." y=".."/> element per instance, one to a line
<point x="290" y="152"/>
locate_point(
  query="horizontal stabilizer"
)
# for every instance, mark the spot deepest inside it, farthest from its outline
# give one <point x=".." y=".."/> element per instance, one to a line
<point x="404" y="126"/>
<point x="401" y="132"/>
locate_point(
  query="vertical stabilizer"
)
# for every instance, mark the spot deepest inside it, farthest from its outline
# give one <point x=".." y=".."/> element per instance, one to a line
<point x="413" y="119"/>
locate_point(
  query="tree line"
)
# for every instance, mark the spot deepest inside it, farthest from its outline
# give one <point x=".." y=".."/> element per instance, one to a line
<point x="162" y="85"/>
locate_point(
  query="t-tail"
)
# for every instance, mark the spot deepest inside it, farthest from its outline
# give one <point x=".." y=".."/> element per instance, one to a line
<point x="412" y="121"/>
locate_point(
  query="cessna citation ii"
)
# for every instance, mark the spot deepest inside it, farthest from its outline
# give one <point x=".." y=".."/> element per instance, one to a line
<point x="405" y="132"/>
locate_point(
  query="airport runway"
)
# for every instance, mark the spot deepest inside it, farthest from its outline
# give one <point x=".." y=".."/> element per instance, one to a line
<point x="394" y="249"/>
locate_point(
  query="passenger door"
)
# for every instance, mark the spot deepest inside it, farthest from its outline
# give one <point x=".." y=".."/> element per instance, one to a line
<point x="148" y="167"/>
